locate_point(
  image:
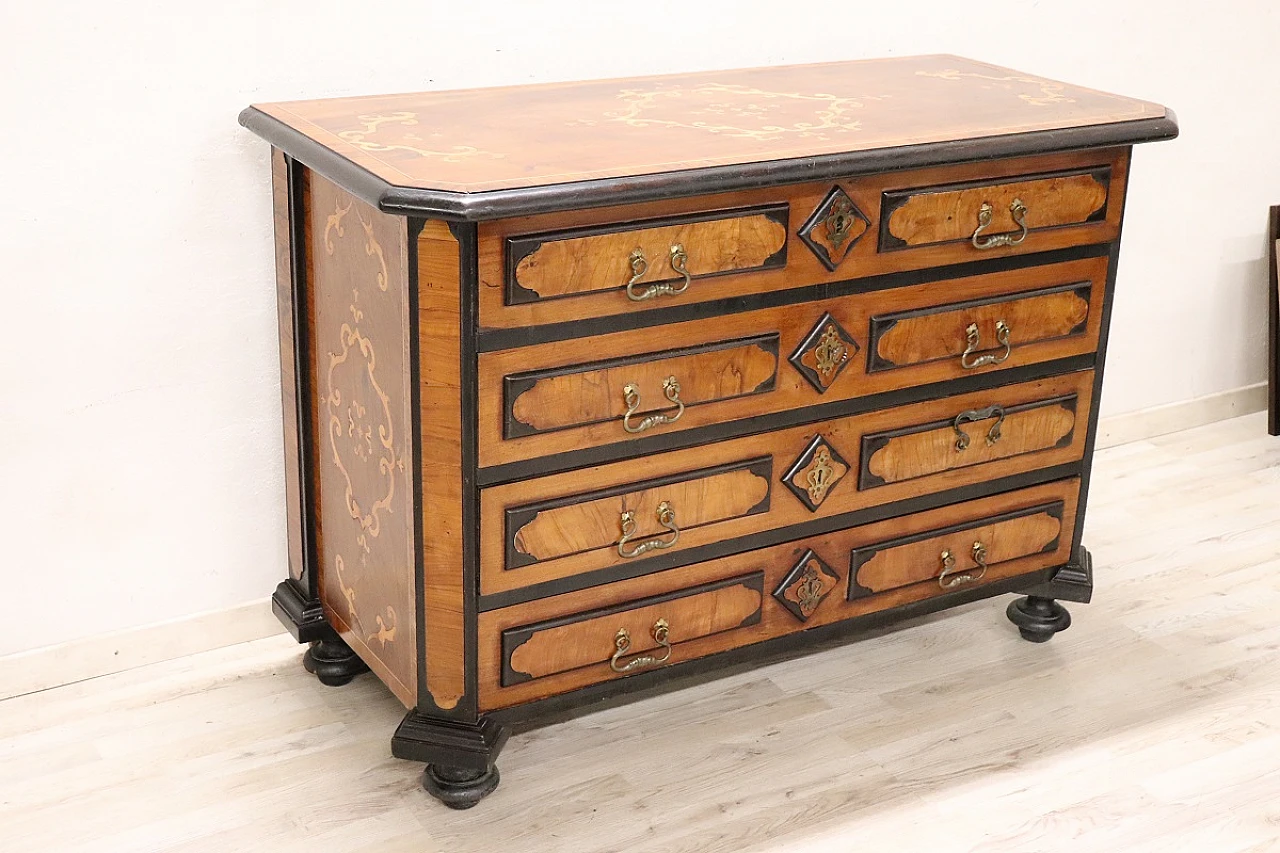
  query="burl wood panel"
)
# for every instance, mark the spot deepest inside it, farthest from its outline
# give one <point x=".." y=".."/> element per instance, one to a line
<point x="889" y="566"/>
<point x="793" y="323"/>
<point x="367" y="583"/>
<point x="941" y="334"/>
<point x="550" y="649"/>
<point x="586" y="394"/>
<point x="289" y="367"/>
<point x="803" y="267"/>
<point x="592" y="522"/>
<point x="486" y="139"/>
<point x="944" y="214"/>
<point x="568" y="265"/>
<point x="845" y="435"/>
<point x="777" y="563"/>
<point x="904" y="455"/>
<point x="440" y="392"/>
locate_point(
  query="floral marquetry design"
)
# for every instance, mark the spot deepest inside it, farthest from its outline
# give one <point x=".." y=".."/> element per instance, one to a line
<point x="809" y="582"/>
<point x="818" y="470"/>
<point x="824" y="353"/>
<point x="835" y="227"/>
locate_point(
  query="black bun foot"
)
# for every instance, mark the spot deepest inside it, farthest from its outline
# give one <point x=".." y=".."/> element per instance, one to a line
<point x="333" y="662"/>
<point x="459" y="789"/>
<point x="1038" y="619"/>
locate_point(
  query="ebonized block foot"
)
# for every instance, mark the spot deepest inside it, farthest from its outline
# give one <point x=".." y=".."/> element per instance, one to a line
<point x="1038" y="619"/>
<point x="457" y="788"/>
<point x="333" y="662"/>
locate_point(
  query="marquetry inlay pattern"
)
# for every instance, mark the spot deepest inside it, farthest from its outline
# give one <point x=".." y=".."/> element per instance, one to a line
<point x="824" y="353"/>
<point x="818" y="470"/>
<point x="809" y="582"/>
<point x="835" y="227"/>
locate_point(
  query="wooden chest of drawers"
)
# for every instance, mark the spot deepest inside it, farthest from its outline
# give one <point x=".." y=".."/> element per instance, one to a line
<point x="590" y="386"/>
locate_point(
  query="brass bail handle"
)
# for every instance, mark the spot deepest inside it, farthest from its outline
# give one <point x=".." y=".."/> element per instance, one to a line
<point x="993" y="433"/>
<point x="973" y="343"/>
<point x="948" y="580"/>
<point x="1017" y="210"/>
<point x="631" y="397"/>
<point x="640" y="265"/>
<point x="666" y="517"/>
<point x="622" y="648"/>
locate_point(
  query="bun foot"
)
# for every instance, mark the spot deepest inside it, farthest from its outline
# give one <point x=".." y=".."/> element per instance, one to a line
<point x="457" y="788"/>
<point x="1038" y="619"/>
<point x="333" y="662"/>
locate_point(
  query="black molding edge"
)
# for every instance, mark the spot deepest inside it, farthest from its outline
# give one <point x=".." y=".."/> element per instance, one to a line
<point x="819" y="214"/>
<point x="514" y="638"/>
<point x="859" y="557"/>
<point x="463" y="745"/>
<point x="1273" y="322"/>
<point x="494" y="339"/>
<point x="801" y="493"/>
<point x="777" y="536"/>
<point x="496" y="204"/>
<point x="517" y="248"/>
<point x="1072" y="582"/>
<point x="793" y="575"/>
<point x="873" y="442"/>
<point x="680" y="439"/>
<point x="680" y="675"/>
<point x="467" y="235"/>
<point x="515" y="384"/>
<point x="881" y="324"/>
<point x="894" y="199"/>
<point x="303" y="617"/>
<point x="516" y="517"/>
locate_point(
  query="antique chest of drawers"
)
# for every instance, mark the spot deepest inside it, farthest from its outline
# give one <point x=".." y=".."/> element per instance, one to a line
<point x="591" y="386"/>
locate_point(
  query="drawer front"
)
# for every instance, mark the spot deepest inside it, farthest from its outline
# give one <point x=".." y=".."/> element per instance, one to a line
<point x="575" y="265"/>
<point x="633" y="257"/>
<point x="619" y="635"/>
<point x="626" y="514"/>
<point x="989" y="215"/>
<point x="561" y="643"/>
<point x="981" y="333"/>
<point x="546" y="399"/>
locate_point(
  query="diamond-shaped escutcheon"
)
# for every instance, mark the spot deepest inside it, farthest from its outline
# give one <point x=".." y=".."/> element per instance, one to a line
<point x="824" y="353"/>
<point x="834" y="228"/>
<point x="815" y="473"/>
<point x="806" y="585"/>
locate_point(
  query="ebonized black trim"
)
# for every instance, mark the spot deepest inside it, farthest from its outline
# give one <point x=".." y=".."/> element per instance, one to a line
<point x="859" y="557"/>
<point x="516" y="517"/>
<point x="472" y="745"/>
<point x="500" y="339"/>
<point x="1072" y="582"/>
<point x="819" y="214"/>
<point x="876" y="441"/>
<point x="467" y="235"/>
<point x="516" y="384"/>
<point x="678" y="439"/>
<point x="1273" y="322"/>
<point x="413" y="230"/>
<point x="519" y="247"/>
<point x="496" y="204"/>
<point x="776" y="536"/>
<point x="894" y="199"/>
<point x="301" y="615"/>
<point x="514" y="638"/>
<point x="881" y="324"/>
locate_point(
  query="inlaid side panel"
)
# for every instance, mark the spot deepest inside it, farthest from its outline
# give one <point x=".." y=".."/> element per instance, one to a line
<point x="440" y="359"/>
<point x="362" y="394"/>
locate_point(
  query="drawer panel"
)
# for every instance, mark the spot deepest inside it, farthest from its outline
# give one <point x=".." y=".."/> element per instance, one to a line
<point x="979" y="333"/>
<point x="594" y="637"/>
<point x="551" y="398"/>
<point x="561" y="643"/>
<point x="992" y="213"/>
<point x="633" y="256"/>
<point x="547" y="528"/>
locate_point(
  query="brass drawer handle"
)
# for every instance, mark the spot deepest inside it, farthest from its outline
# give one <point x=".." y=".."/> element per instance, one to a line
<point x="973" y="339"/>
<point x="640" y="265"/>
<point x="1017" y="210"/>
<point x="666" y="517"/>
<point x="631" y="396"/>
<point x="622" y="647"/>
<point x="979" y="555"/>
<point x="993" y="434"/>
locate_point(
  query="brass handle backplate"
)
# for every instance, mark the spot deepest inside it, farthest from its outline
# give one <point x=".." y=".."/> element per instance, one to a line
<point x="622" y="648"/>
<point x="631" y="397"/>
<point x="973" y="343"/>
<point x="1017" y="210"/>
<point x="666" y="517"/>
<point x="993" y="433"/>
<point x="640" y="265"/>
<point x="948" y="580"/>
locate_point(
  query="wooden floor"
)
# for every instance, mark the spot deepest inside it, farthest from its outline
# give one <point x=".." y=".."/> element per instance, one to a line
<point x="1152" y="724"/>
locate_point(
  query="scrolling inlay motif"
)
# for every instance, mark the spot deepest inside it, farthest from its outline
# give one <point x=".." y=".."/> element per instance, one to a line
<point x="361" y="137"/>
<point x="1050" y="92"/>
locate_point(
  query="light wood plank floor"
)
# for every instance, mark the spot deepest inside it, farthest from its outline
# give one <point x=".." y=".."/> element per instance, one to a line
<point x="1152" y="724"/>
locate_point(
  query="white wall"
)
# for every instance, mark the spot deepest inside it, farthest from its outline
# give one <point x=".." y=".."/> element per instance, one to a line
<point x="139" y="410"/>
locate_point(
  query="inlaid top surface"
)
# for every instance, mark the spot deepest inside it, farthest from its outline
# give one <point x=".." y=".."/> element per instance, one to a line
<point x="507" y="138"/>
